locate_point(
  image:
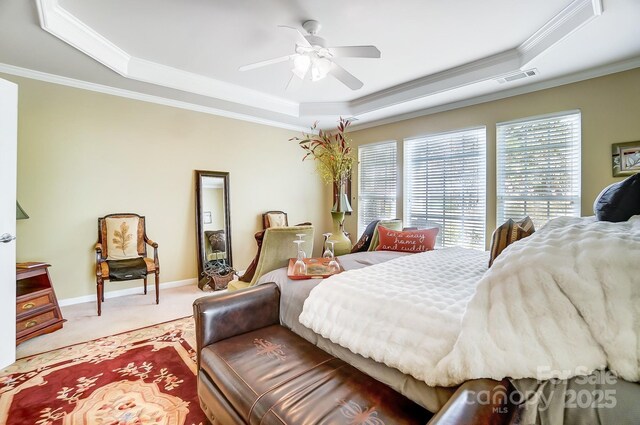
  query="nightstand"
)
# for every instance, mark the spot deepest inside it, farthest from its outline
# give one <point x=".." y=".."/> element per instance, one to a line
<point x="37" y="309"/>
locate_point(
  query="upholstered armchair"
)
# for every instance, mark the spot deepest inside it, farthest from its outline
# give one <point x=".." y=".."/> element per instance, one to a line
<point x="275" y="251"/>
<point x="121" y="253"/>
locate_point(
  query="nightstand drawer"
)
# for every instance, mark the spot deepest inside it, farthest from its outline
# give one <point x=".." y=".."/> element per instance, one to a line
<point x="37" y="309"/>
<point x="25" y="306"/>
<point x="36" y="322"/>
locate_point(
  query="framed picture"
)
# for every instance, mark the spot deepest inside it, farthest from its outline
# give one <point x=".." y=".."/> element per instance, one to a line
<point x="625" y="158"/>
<point x="207" y="217"/>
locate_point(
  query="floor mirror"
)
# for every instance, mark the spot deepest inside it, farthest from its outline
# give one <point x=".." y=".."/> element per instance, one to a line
<point x="213" y="225"/>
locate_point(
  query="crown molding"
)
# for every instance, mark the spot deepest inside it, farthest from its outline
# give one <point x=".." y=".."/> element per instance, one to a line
<point x="621" y="66"/>
<point x="99" y="88"/>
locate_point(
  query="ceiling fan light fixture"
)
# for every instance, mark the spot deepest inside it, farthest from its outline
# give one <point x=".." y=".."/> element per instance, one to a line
<point x="313" y="59"/>
<point x="319" y="68"/>
<point x="301" y="64"/>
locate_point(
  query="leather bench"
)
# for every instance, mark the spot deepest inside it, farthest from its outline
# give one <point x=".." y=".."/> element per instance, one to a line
<point x="251" y="370"/>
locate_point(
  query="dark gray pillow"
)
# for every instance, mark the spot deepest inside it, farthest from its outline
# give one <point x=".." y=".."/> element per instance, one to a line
<point x="365" y="239"/>
<point x="619" y="201"/>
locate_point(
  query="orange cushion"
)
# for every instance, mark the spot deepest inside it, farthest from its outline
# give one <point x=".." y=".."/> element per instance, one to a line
<point x="407" y="241"/>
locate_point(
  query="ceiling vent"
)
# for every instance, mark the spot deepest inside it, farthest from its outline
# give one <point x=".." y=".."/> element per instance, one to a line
<point x="518" y="76"/>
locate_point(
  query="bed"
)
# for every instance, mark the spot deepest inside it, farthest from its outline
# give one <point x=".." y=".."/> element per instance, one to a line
<point x="545" y="399"/>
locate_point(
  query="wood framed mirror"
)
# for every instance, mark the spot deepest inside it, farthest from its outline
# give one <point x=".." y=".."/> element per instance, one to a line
<point x="213" y="222"/>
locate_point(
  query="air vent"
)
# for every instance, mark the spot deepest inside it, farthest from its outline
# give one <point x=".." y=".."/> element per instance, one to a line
<point x="518" y="76"/>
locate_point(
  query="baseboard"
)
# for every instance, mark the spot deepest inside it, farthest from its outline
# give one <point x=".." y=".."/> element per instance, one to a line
<point x="128" y="291"/>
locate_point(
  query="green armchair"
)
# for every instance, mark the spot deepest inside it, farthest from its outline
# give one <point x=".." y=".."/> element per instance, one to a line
<point x="274" y="252"/>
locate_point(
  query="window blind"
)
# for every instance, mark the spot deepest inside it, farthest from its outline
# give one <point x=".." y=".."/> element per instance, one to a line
<point x="445" y="184"/>
<point x="538" y="168"/>
<point x="377" y="183"/>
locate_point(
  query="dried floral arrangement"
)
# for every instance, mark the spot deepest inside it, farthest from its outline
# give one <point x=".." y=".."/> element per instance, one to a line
<point x="331" y="151"/>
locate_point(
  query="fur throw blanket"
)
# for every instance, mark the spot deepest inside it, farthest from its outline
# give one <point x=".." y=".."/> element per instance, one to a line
<point x="560" y="303"/>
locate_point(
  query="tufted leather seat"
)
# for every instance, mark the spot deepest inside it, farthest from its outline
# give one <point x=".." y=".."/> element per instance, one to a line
<point x="266" y="374"/>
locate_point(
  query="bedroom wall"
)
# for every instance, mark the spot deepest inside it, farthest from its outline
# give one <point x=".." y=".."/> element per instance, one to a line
<point x="83" y="154"/>
<point x="610" y="108"/>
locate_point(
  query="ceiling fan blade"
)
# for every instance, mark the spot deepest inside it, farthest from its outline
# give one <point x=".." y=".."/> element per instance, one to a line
<point x="301" y="38"/>
<point x="265" y="63"/>
<point x="345" y="77"/>
<point x="355" y="52"/>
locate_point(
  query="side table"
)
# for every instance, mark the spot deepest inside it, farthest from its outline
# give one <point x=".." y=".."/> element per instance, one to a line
<point x="37" y="309"/>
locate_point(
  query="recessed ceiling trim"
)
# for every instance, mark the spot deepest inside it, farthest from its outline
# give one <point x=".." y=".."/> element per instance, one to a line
<point x="573" y="17"/>
<point x="601" y="71"/>
<point x="62" y="24"/>
<point x="464" y="75"/>
<point x="129" y="94"/>
<point x="155" y="73"/>
<point x="59" y="22"/>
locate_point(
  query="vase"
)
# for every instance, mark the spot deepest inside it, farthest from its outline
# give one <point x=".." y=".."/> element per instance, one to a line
<point x="341" y="243"/>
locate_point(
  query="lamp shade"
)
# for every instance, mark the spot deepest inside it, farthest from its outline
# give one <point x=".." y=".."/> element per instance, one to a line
<point x="20" y="214"/>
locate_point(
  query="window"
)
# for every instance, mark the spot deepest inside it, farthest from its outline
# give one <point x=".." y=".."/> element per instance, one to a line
<point x="377" y="183"/>
<point x="538" y="168"/>
<point x="445" y="186"/>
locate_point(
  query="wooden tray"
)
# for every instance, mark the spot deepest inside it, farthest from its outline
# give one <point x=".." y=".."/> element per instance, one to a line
<point x="317" y="268"/>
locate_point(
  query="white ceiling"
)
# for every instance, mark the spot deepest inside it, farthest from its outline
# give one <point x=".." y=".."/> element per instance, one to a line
<point x="434" y="53"/>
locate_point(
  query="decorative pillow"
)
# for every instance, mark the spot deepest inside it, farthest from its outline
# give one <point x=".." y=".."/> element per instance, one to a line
<point x="393" y="224"/>
<point x="217" y="240"/>
<point x="409" y="241"/>
<point x="277" y="220"/>
<point x="365" y="239"/>
<point x="507" y="234"/>
<point x="619" y="201"/>
<point x="122" y="237"/>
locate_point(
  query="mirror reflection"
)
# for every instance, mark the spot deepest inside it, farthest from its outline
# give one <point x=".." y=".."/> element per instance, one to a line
<point x="214" y="240"/>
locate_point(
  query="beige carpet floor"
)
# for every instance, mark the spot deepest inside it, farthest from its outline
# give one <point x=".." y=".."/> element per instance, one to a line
<point x="118" y="315"/>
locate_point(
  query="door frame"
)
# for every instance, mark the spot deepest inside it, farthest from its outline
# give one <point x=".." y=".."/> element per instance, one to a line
<point x="8" y="167"/>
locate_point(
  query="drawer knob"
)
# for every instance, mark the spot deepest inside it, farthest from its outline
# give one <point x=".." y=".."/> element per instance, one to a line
<point x="28" y="306"/>
<point x="30" y="324"/>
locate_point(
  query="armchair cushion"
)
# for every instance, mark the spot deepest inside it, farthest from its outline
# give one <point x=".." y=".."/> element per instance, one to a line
<point x="130" y="269"/>
<point x="277" y="219"/>
<point x="104" y="267"/>
<point x="122" y="242"/>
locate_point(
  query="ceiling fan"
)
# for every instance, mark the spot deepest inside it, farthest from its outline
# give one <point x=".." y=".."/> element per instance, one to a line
<point x="313" y="59"/>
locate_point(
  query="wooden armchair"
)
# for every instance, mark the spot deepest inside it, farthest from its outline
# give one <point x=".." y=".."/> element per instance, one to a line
<point x="121" y="242"/>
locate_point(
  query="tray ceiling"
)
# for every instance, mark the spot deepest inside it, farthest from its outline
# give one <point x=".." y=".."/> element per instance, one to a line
<point x="433" y="52"/>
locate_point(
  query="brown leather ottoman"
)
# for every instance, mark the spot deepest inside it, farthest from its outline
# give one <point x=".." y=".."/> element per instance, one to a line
<point x="258" y="372"/>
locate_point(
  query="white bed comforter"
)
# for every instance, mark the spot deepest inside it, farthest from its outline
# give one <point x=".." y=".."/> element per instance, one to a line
<point x="563" y="302"/>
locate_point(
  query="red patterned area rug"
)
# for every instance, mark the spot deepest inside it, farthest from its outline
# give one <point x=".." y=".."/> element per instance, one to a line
<point x="146" y="376"/>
